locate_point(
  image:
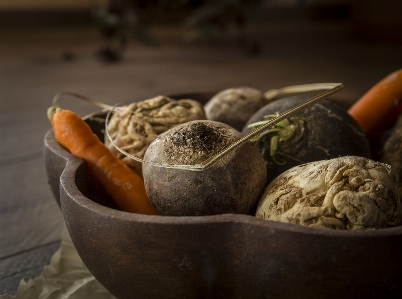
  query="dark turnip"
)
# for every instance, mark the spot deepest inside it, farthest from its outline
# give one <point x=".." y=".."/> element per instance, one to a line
<point x="320" y="132"/>
<point x="233" y="184"/>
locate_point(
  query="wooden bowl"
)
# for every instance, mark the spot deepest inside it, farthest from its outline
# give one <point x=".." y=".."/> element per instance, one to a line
<point x="222" y="256"/>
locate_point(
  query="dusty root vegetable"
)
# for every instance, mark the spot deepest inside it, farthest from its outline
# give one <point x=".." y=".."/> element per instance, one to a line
<point x="343" y="193"/>
<point x="233" y="184"/>
<point x="234" y="106"/>
<point x="321" y="131"/>
<point x="135" y="126"/>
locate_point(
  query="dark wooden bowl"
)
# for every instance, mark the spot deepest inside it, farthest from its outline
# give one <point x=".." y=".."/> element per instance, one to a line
<point x="223" y="256"/>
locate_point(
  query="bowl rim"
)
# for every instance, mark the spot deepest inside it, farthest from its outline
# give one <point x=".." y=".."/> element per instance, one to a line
<point x="67" y="182"/>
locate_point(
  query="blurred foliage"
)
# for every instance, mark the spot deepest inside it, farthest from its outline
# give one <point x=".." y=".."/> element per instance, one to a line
<point x="123" y="20"/>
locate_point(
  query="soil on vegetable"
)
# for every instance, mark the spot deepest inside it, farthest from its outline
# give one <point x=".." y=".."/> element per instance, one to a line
<point x="234" y="184"/>
<point x="195" y="143"/>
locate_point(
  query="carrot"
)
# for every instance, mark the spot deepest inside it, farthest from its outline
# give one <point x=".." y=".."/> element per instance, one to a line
<point x="380" y="106"/>
<point x="124" y="186"/>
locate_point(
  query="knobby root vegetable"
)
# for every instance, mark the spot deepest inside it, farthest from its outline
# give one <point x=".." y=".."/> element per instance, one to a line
<point x="124" y="186"/>
<point x="342" y="193"/>
<point x="380" y="106"/>
<point x="133" y="127"/>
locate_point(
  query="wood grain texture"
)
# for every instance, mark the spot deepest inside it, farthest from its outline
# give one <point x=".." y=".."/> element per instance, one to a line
<point x="29" y="215"/>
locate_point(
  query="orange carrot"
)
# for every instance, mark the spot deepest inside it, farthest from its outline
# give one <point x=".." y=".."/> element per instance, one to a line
<point x="379" y="107"/>
<point x="124" y="186"/>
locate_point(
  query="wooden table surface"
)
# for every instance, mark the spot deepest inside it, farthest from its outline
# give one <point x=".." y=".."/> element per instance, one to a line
<point x="33" y="71"/>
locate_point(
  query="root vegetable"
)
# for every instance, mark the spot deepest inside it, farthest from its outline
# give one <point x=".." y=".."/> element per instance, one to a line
<point x="321" y="131"/>
<point x="343" y="193"/>
<point x="379" y="107"/>
<point x="392" y="154"/>
<point x="135" y="126"/>
<point x="124" y="186"/>
<point x="234" y="106"/>
<point x="233" y="184"/>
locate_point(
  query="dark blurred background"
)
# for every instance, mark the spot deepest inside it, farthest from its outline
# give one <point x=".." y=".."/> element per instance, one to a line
<point x="120" y="21"/>
<point x="122" y="51"/>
